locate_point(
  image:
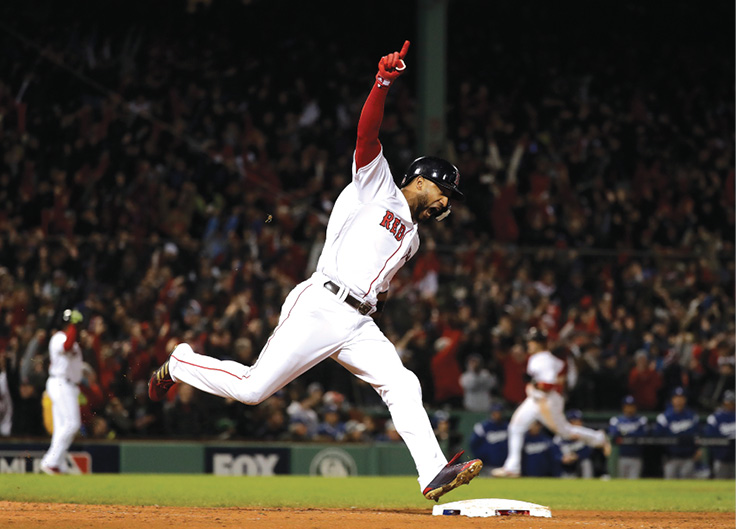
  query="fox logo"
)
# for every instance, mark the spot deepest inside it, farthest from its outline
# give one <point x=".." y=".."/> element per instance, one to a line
<point x="394" y="225"/>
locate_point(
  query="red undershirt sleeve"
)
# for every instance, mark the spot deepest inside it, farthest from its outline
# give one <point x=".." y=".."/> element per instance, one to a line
<point x="71" y="336"/>
<point x="367" y="146"/>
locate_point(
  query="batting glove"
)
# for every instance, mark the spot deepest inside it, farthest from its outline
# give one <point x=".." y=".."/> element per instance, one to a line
<point x="391" y="66"/>
<point x="73" y="316"/>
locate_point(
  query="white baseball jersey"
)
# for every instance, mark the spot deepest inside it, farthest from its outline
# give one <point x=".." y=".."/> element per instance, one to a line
<point x="370" y="234"/>
<point x="64" y="364"/>
<point x="544" y="367"/>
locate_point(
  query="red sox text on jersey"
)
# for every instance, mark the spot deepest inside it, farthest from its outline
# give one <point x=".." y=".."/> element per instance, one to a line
<point x="394" y="225"/>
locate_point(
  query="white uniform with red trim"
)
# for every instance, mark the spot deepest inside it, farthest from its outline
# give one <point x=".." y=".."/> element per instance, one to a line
<point x="65" y="372"/>
<point x="370" y="235"/>
<point x="544" y="403"/>
<point x="360" y="253"/>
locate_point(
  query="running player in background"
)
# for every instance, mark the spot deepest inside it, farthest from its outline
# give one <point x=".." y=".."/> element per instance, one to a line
<point x="65" y="373"/>
<point x="371" y="234"/>
<point x="544" y="403"/>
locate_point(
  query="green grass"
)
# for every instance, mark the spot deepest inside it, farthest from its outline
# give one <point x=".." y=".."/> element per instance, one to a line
<point x="363" y="492"/>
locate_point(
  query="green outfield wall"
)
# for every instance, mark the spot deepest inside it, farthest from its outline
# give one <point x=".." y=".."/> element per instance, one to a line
<point x="220" y="458"/>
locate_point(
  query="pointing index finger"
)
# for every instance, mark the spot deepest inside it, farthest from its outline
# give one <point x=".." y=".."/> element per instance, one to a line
<point x="404" y="49"/>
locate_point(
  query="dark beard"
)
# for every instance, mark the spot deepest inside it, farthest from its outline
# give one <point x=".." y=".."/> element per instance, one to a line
<point x="421" y="206"/>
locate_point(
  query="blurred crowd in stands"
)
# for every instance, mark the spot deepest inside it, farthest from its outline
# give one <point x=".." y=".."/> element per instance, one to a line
<point x="170" y="175"/>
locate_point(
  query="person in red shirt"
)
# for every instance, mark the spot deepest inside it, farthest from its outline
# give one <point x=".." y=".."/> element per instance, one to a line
<point x="644" y="382"/>
<point x="446" y="369"/>
<point x="514" y="369"/>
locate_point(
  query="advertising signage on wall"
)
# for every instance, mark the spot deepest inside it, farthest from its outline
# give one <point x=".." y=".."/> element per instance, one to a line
<point x="250" y="461"/>
<point x="82" y="459"/>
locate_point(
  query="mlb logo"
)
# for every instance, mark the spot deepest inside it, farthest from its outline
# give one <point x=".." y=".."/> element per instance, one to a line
<point x="79" y="463"/>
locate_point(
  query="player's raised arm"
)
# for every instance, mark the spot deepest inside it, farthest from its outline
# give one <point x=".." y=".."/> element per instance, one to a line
<point x="390" y="67"/>
<point x="73" y="317"/>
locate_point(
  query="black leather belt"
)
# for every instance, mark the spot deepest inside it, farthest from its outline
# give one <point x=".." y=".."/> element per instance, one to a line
<point x="361" y="306"/>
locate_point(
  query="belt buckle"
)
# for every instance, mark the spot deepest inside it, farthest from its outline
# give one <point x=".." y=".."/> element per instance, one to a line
<point x="364" y="308"/>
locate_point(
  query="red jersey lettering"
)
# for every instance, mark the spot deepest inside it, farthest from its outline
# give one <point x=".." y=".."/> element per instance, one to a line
<point x="387" y="218"/>
<point x="394" y="225"/>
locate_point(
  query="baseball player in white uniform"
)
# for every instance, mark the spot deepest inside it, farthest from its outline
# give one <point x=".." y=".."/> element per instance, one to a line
<point x="65" y="372"/>
<point x="544" y="403"/>
<point x="371" y="233"/>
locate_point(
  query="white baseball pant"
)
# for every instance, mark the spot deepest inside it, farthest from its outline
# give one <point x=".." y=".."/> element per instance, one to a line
<point x="549" y="409"/>
<point x="67" y="418"/>
<point x="314" y="325"/>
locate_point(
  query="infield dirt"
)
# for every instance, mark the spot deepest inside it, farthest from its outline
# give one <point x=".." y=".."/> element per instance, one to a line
<point x="63" y="516"/>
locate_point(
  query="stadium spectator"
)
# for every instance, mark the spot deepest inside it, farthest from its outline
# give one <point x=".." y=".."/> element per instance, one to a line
<point x="514" y="370"/>
<point x="331" y="427"/>
<point x="355" y="432"/>
<point x="644" y="382"/>
<point x="389" y="433"/>
<point x="185" y="417"/>
<point x="477" y="383"/>
<point x="275" y="425"/>
<point x="303" y="411"/>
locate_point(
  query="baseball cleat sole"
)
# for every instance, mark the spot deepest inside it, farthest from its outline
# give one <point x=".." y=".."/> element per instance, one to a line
<point x="462" y="478"/>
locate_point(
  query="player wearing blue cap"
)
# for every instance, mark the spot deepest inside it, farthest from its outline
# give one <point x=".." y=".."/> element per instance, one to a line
<point x="489" y="441"/>
<point x="722" y="424"/>
<point x="679" y="421"/>
<point x="627" y="425"/>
